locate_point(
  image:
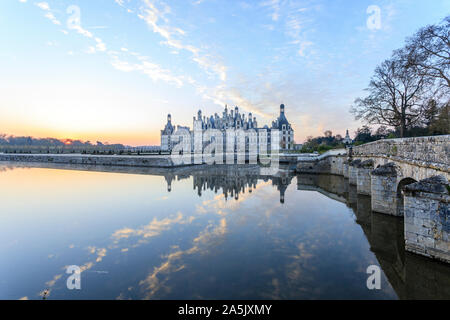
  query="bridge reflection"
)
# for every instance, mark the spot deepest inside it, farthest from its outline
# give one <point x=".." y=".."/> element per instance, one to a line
<point x="412" y="276"/>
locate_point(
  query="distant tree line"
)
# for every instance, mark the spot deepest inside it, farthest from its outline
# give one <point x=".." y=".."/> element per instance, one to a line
<point x="322" y="144"/>
<point x="13" y="144"/>
<point x="409" y="93"/>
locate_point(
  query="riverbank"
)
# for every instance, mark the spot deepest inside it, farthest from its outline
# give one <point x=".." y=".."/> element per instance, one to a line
<point x="149" y="161"/>
<point x="155" y="161"/>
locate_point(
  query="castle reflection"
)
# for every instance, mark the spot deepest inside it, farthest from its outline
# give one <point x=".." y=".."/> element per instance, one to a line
<point x="231" y="181"/>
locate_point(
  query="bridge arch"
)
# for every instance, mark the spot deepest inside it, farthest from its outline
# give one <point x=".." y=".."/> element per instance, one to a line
<point x="400" y="197"/>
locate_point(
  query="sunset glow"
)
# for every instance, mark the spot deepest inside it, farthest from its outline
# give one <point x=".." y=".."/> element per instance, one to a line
<point x="114" y="76"/>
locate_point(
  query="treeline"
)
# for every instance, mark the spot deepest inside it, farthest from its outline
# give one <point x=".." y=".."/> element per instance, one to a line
<point x="324" y="143"/>
<point x="13" y="144"/>
<point x="409" y="93"/>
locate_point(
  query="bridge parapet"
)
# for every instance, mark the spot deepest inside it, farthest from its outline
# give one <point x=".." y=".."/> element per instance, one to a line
<point x="426" y="151"/>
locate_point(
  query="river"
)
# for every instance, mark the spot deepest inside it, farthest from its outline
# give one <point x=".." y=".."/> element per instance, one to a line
<point x="208" y="233"/>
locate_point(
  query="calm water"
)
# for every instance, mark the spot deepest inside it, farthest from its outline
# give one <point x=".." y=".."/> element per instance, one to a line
<point x="209" y="234"/>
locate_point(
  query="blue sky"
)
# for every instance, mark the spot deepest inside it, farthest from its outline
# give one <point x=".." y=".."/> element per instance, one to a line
<point x="114" y="71"/>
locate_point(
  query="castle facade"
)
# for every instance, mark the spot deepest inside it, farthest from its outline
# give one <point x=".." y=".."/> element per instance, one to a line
<point x="231" y="119"/>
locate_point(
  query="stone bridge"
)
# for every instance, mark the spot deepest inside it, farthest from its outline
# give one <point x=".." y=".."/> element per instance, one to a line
<point x="404" y="177"/>
<point x="412" y="276"/>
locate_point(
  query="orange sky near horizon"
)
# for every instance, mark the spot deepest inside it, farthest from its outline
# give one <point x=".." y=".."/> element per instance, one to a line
<point x="132" y="138"/>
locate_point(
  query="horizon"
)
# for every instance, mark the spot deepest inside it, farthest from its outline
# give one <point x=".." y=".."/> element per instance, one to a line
<point x="111" y="71"/>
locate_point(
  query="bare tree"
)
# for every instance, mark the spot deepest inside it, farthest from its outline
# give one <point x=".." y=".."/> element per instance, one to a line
<point x="429" y="52"/>
<point x="395" y="96"/>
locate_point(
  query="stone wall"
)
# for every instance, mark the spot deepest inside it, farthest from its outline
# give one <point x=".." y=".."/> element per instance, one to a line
<point x="78" y="159"/>
<point x="331" y="162"/>
<point x="431" y="152"/>
<point x="427" y="218"/>
<point x="416" y="158"/>
<point x="384" y="189"/>
<point x="363" y="181"/>
<point x="327" y="165"/>
<point x="353" y="171"/>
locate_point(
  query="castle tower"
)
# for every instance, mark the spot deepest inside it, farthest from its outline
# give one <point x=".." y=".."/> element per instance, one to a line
<point x="347" y="140"/>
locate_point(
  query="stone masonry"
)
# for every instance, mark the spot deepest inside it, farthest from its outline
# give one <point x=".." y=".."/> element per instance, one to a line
<point x="384" y="189"/>
<point x="427" y="218"/>
<point x="393" y="187"/>
<point x="353" y="171"/>
<point x="431" y="152"/>
<point x="155" y="161"/>
<point x="363" y="181"/>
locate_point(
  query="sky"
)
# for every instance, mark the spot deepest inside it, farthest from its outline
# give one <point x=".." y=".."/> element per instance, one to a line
<point x="111" y="70"/>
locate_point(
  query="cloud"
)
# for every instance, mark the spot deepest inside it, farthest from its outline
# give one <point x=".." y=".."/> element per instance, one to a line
<point x="43" y="6"/>
<point x="82" y="31"/>
<point x="274" y="5"/>
<point x="100" y="46"/>
<point x="52" y="18"/>
<point x="154" y="228"/>
<point x="156" y="18"/>
<point x="52" y="282"/>
<point x="75" y="25"/>
<point x="207" y="64"/>
<point x="49" y="15"/>
<point x="303" y="46"/>
<point x="143" y="65"/>
<point x="157" y="279"/>
<point x="223" y="94"/>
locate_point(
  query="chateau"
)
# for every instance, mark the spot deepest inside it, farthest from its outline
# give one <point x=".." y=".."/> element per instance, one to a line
<point x="232" y="119"/>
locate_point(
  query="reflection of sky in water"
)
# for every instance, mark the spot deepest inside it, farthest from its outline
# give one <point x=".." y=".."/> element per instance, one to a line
<point x="133" y="239"/>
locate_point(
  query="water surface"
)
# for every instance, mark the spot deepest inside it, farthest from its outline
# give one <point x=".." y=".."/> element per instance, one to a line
<point x="209" y="234"/>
